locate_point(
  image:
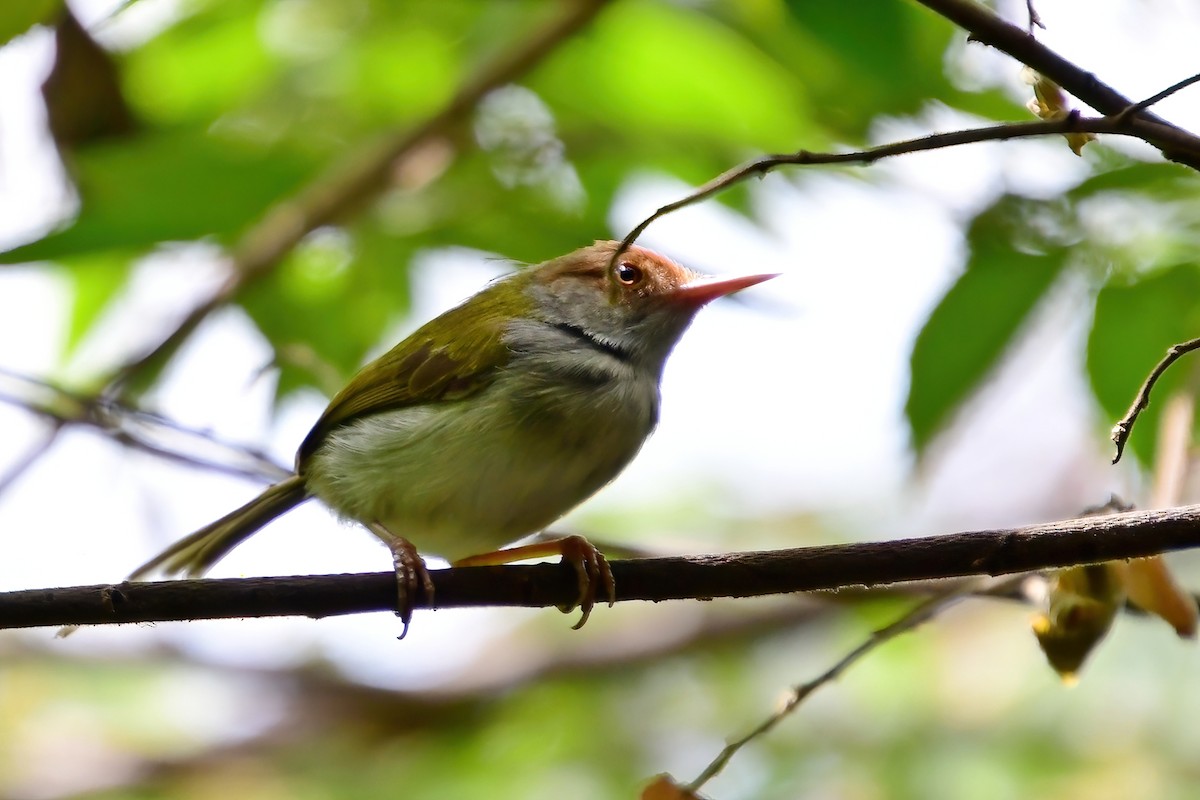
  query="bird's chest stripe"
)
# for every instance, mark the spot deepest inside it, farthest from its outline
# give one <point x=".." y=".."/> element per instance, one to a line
<point x="594" y="342"/>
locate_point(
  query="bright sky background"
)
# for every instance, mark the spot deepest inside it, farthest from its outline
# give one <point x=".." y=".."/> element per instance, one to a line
<point x="790" y="400"/>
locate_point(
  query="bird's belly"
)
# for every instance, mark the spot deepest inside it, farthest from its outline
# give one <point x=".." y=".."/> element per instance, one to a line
<point x="464" y="478"/>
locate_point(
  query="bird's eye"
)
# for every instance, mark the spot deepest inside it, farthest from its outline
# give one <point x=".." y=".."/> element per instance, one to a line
<point x="628" y="274"/>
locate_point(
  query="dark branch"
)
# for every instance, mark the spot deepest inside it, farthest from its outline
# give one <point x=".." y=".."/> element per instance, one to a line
<point x="986" y="27"/>
<point x="992" y="552"/>
<point x="1124" y="426"/>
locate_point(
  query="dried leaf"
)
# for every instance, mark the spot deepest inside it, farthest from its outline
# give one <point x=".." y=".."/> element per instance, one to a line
<point x="1152" y="588"/>
<point x="663" y="787"/>
<point x="1050" y="103"/>
<point x="1081" y="605"/>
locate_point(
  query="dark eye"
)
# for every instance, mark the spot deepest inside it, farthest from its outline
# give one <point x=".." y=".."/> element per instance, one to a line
<point x="628" y="274"/>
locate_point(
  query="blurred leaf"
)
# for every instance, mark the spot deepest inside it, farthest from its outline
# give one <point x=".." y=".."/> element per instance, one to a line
<point x="654" y="70"/>
<point x="469" y="207"/>
<point x="329" y="301"/>
<point x="82" y="93"/>
<point x="18" y="16"/>
<point x="887" y="58"/>
<point x="1081" y="604"/>
<point x="975" y="322"/>
<point x="378" y="71"/>
<point x="205" y="65"/>
<point x="165" y="186"/>
<point x="95" y="281"/>
<point x="1134" y="325"/>
<point x="1154" y="177"/>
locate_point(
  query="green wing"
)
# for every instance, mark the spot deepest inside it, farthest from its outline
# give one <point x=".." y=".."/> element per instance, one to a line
<point x="449" y="358"/>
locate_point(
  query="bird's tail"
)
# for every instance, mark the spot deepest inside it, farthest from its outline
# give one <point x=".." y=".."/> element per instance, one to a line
<point x="195" y="554"/>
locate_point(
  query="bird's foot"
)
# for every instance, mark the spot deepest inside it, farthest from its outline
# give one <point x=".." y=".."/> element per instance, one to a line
<point x="591" y="569"/>
<point x="412" y="576"/>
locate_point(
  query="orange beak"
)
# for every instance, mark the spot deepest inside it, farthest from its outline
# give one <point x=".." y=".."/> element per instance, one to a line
<point x="706" y="289"/>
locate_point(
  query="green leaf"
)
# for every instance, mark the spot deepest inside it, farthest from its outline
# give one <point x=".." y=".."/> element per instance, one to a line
<point x="885" y="58"/>
<point x="95" y="281"/>
<point x="975" y="322"/>
<point x="166" y="186"/>
<point x="328" y="303"/>
<point x="656" y="70"/>
<point x="1134" y="325"/>
<point x="201" y="67"/>
<point x="1154" y="178"/>
<point x="18" y="16"/>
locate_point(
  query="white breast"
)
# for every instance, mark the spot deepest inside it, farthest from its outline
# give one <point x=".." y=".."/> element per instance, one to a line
<point x="469" y="476"/>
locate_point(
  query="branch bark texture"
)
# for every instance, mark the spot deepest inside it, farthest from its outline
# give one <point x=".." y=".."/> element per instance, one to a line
<point x="987" y="552"/>
<point x="986" y="27"/>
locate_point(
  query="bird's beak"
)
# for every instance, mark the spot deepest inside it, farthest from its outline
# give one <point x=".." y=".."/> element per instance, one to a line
<point x="703" y="290"/>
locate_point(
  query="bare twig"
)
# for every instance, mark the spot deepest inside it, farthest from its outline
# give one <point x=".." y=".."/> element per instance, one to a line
<point x="992" y="552"/>
<point x="31" y="457"/>
<point x="1124" y="427"/>
<point x="351" y="184"/>
<point x="1122" y="115"/>
<point x="140" y="430"/>
<point x="910" y="621"/>
<point x="1142" y="105"/>
<point x="1072" y="123"/>
<point x="1035" y="21"/>
<point x="986" y="27"/>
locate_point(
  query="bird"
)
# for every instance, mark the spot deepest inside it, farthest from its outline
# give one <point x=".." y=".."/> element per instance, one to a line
<point x="490" y="421"/>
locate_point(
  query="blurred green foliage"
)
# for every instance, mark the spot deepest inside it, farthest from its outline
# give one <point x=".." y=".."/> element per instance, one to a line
<point x="961" y="708"/>
<point x="241" y="106"/>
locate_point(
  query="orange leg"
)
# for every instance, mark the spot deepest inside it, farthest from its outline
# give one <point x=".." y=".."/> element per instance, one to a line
<point x="591" y="568"/>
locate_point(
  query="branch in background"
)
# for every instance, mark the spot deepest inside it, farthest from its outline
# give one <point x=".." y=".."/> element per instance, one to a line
<point x="140" y="430"/>
<point x="350" y="184"/>
<point x="25" y="462"/>
<point x="910" y="621"/>
<point x="1035" y="21"/>
<point x="1148" y="581"/>
<point x="314" y="698"/>
<point x="1122" y="116"/>
<point x="1073" y="123"/>
<point x="1142" y="105"/>
<point x="992" y="552"/>
<point x="985" y="27"/>
<point x="1124" y="426"/>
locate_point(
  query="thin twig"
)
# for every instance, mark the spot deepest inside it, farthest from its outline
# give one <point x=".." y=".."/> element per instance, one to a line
<point x="1035" y="21"/>
<point x="1122" y="115"/>
<point x="986" y="27"/>
<point x="1124" y="427"/>
<point x="1142" y="105"/>
<point x="140" y="430"/>
<point x="351" y="184"/>
<point x="910" y="621"/>
<point x="992" y="552"/>
<point x="1072" y="123"/>
<point x="31" y="457"/>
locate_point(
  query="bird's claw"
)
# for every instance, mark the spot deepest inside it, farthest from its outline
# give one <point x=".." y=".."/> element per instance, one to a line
<point x="593" y="573"/>
<point x="412" y="577"/>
